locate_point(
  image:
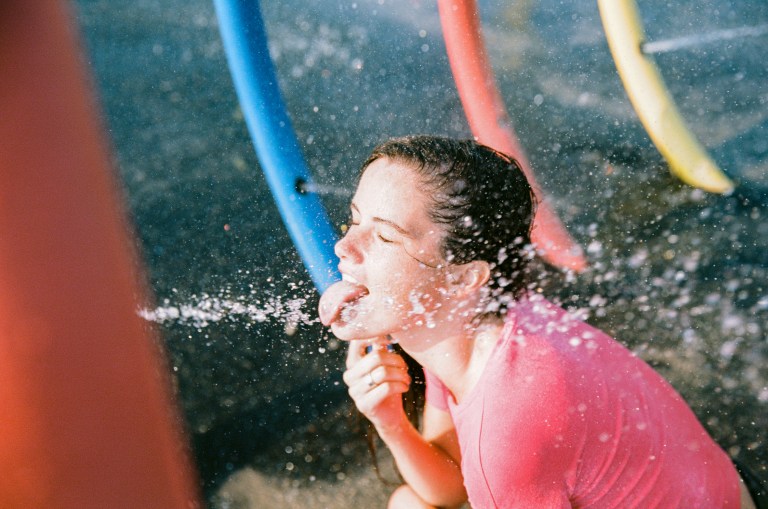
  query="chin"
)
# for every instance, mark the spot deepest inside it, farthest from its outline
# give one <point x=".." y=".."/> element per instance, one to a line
<point x="349" y="331"/>
<point x="342" y="332"/>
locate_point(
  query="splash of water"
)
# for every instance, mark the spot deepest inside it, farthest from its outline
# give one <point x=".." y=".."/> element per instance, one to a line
<point x="207" y="309"/>
<point x="322" y="189"/>
<point x="679" y="43"/>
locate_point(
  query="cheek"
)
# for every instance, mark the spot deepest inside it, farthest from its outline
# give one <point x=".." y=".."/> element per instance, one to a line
<point x="400" y="283"/>
<point x="396" y="290"/>
<point x="423" y="294"/>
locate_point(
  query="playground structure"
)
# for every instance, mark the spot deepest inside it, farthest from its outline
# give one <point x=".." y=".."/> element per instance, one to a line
<point x="654" y="105"/>
<point x="256" y="83"/>
<point x="253" y="73"/>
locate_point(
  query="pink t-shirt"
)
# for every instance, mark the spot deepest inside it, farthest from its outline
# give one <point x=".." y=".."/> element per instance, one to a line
<point x="564" y="416"/>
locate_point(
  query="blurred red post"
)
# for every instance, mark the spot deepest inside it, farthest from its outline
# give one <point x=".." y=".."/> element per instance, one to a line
<point x="87" y="417"/>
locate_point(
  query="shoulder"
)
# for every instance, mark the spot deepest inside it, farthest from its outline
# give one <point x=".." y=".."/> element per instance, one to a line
<point x="538" y="316"/>
<point x="563" y="337"/>
<point x="542" y="372"/>
<point x="529" y="378"/>
<point x="529" y="349"/>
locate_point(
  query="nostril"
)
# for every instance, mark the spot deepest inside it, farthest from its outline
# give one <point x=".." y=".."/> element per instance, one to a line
<point x="348" y="247"/>
<point x="340" y="248"/>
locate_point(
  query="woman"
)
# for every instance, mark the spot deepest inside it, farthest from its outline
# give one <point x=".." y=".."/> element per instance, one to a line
<point x="525" y="406"/>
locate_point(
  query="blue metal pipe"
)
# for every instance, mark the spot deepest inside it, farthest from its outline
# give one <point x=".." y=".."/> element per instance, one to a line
<point x="278" y="150"/>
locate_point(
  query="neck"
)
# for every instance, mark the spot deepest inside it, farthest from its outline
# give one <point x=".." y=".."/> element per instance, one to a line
<point x="456" y="353"/>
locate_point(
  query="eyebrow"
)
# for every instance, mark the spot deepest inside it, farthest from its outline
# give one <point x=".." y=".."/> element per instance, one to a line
<point x="388" y="222"/>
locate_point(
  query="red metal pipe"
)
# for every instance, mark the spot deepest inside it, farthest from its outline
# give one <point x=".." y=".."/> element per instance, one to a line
<point x="491" y="125"/>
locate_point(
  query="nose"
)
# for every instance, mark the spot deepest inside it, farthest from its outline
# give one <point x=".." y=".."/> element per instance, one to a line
<point x="349" y="247"/>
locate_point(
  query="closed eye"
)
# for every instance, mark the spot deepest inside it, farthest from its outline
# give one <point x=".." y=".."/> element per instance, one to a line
<point x="385" y="240"/>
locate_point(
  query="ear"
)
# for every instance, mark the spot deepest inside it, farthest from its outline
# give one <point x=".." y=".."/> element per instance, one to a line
<point x="469" y="277"/>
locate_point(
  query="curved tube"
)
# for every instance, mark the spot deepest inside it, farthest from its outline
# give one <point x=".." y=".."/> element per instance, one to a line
<point x="490" y="123"/>
<point x="652" y="101"/>
<point x="253" y="73"/>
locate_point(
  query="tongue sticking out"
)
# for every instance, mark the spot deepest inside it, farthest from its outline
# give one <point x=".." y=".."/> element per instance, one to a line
<point x="336" y="298"/>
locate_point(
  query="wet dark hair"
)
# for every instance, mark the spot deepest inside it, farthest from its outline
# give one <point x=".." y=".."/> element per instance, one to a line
<point x="483" y="199"/>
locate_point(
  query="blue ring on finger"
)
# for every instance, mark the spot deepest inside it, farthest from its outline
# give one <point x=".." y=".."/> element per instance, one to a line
<point x="389" y="347"/>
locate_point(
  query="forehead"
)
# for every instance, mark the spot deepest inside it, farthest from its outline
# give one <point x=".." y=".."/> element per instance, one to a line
<point x="392" y="190"/>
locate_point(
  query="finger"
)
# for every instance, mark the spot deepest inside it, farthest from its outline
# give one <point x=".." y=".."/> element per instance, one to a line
<point x="387" y="374"/>
<point x="370" y="347"/>
<point x="380" y="343"/>
<point x="359" y="384"/>
<point x="371" y="361"/>
<point x="355" y="352"/>
<point x="358" y="348"/>
<point x="368" y="403"/>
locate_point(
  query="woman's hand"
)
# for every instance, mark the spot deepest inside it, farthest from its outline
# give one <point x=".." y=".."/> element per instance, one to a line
<point x="376" y="381"/>
<point x="429" y="464"/>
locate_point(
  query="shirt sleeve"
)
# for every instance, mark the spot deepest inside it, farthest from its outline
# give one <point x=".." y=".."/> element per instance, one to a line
<point x="436" y="393"/>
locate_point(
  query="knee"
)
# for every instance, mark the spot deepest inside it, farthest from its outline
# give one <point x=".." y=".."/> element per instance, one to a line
<point x="405" y="498"/>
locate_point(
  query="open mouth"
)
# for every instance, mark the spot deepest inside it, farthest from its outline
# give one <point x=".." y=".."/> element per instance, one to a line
<point x="338" y="301"/>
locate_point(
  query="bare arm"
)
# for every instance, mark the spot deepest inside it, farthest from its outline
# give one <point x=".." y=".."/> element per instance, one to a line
<point x="428" y="461"/>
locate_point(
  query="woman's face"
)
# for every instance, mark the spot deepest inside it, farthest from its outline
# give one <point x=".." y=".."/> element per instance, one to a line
<point x="393" y="276"/>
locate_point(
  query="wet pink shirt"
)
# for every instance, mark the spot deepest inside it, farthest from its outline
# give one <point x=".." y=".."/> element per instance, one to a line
<point x="564" y="416"/>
